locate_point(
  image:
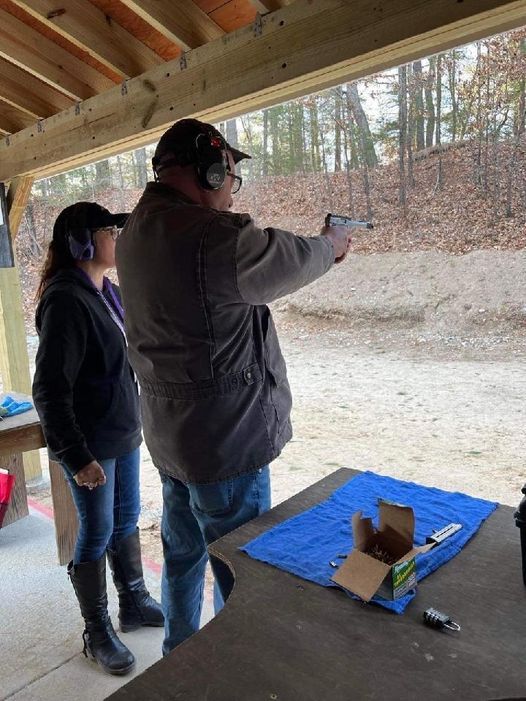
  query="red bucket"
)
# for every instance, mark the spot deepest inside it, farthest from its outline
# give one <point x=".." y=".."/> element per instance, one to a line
<point x="7" y="482"/>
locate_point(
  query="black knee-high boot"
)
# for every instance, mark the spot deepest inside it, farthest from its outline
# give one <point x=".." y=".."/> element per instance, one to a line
<point x="136" y="606"/>
<point x="100" y="640"/>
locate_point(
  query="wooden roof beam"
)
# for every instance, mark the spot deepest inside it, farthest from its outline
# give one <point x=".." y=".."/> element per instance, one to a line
<point x="87" y="27"/>
<point x="27" y="93"/>
<point x="27" y="48"/>
<point x="181" y="22"/>
<point x="334" y="41"/>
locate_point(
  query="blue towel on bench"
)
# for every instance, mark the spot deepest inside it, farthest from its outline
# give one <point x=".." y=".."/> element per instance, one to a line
<point x="305" y="544"/>
<point x="11" y="407"/>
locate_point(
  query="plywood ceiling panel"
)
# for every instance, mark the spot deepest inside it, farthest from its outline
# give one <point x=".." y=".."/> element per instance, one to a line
<point x="232" y="15"/>
<point x="72" y="50"/>
<point x="47" y="32"/>
<point x="139" y="28"/>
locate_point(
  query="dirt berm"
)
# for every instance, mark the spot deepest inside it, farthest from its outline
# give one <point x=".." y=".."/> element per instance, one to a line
<point x="480" y="293"/>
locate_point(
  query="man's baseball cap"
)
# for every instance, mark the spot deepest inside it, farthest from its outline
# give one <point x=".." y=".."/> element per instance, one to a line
<point x="85" y="215"/>
<point x="179" y="143"/>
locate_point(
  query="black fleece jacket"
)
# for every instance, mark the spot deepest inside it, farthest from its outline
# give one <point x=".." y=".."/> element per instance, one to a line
<point x="84" y="390"/>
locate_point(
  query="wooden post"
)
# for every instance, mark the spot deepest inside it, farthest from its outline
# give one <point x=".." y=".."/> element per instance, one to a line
<point x="18" y="504"/>
<point x="14" y="361"/>
<point x="17" y="198"/>
<point x="18" y="435"/>
<point x="66" y="522"/>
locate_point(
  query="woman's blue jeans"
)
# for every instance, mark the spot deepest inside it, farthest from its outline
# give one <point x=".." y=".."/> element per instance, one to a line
<point x="109" y="512"/>
<point x="194" y="515"/>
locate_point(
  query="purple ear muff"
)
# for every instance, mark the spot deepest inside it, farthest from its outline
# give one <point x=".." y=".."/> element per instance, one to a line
<point x="81" y="245"/>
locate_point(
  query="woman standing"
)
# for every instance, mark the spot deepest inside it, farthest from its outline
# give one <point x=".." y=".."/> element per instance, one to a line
<point x="86" y="396"/>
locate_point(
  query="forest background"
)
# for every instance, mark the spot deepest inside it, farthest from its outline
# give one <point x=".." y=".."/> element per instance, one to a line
<point x="407" y="359"/>
<point x="433" y="153"/>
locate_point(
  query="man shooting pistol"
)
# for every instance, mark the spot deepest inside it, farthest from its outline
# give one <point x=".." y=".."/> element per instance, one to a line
<point x="340" y="220"/>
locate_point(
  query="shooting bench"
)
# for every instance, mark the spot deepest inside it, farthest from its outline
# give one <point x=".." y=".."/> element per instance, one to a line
<point x="281" y="638"/>
<point x="22" y="433"/>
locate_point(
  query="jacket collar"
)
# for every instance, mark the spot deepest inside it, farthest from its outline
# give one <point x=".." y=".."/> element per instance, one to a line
<point x="163" y="190"/>
<point x="67" y="277"/>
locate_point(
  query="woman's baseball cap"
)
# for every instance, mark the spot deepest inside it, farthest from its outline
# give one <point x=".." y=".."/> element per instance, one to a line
<point x="85" y="215"/>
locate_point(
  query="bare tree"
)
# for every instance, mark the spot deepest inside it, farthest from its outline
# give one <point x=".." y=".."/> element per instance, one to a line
<point x="438" y="137"/>
<point x="363" y="125"/>
<point x="337" y="129"/>
<point x="402" y="136"/>
<point x="418" y="82"/>
<point x="411" y="125"/>
<point x="518" y="131"/>
<point x="102" y="175"/>
<point x="231" y="133"/>
<point x="452" y="81"/>
<point x="140" y="169"/>
<point x="265" y="142"/>
<point x="430" y="105"/>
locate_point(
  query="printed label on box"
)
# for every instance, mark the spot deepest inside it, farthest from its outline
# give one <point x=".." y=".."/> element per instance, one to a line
<point x="404" y="578"/>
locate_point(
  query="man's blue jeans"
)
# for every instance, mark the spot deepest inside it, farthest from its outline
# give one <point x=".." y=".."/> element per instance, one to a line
<point x="109" y="512"/>
<point x="194" y="515"/>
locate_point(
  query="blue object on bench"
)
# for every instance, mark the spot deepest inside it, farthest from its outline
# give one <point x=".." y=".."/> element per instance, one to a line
<point x="304" y="545"/>
<point x="13" y="407"/>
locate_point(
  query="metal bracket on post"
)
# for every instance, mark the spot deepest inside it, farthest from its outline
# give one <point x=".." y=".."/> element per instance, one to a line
<point x="258" y="25"/>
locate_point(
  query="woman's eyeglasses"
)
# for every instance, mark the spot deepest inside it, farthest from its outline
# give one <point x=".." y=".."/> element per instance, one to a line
<point x="113" y="231"/>
<point x="238" y="181"/>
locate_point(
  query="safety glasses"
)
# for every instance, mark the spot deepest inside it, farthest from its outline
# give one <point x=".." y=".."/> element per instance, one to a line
<point x="113" y="231"/>
<point x="238" y="181"/>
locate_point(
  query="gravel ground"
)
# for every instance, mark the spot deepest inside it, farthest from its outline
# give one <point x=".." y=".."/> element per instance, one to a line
<point x="405" y="364"/>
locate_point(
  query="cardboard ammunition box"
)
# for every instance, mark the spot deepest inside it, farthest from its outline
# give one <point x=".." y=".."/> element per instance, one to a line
<point x="365" y="575"/>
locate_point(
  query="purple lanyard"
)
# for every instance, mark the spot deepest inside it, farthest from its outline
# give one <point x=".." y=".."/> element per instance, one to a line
<point x="117" y="313"/>
<point x="108" y="288"/>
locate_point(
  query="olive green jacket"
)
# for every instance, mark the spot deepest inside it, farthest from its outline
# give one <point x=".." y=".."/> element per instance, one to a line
<point x="195" y="283"/>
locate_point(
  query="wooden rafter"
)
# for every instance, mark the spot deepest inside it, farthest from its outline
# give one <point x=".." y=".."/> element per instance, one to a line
<point x="27" y="93"/>
<point x="181" y="22"/>
<point x="47" y="61"/>
<point x="264" y="6"/>
<point x="253" y="69"/>
<point x="13" y="119"/>
<point x="87" y="27"/>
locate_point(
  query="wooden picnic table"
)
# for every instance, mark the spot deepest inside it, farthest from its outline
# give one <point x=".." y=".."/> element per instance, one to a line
<point x="283" y="638"/>
<point x="22" y="433"/>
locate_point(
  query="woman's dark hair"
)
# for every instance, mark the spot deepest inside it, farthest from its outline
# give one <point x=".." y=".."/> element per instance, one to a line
<point x="58" y="258"/>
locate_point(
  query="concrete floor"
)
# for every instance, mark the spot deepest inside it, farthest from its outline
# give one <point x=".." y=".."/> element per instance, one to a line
<point x="40" y="626"/>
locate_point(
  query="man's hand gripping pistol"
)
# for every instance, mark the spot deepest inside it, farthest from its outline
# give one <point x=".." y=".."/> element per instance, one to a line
<point x="340" y="220"/>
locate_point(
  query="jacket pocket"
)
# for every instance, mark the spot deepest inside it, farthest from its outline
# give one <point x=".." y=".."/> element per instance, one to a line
<point x="274" y="361"/>
<point x="124" y="414"/>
